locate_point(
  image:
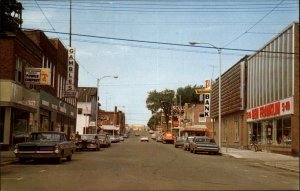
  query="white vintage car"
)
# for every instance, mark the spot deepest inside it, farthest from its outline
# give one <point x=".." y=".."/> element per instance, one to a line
<point x="144" y="138"/>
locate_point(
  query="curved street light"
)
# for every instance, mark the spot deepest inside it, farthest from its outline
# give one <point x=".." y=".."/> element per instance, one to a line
<point x="97" y="108"/>
<point x="220" y="66"/>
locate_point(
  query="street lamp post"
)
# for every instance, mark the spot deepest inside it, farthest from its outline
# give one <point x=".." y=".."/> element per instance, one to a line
<point x="97" y="108"/>
<point x="220" y="72"/>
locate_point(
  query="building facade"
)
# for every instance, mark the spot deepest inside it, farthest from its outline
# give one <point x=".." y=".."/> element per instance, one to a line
<point x="233" y="105"/>
<point x="26" y="106"/>
<point x="273" y="93"/>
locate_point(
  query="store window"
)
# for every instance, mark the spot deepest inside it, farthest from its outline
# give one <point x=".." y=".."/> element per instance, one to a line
<point x="284" y="131"/>
<point x="236" y="128"/>
<point x="18" y="71"/>
<point x="256" y="132"/>
<point x="269" y="132"/>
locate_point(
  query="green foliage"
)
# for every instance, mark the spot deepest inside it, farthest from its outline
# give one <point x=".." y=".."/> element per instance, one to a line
<point x="154" y="120"/>
<point x="187" y="95"/>
<point x="161" y="101"/>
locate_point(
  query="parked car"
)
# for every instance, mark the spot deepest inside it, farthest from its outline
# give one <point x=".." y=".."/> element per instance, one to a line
<point x="104" y="140"/>
<point x="45" y="145"/>
<point x="114" y="138"/>
<point x="88" y="141"/>
<point x="186" y="143"/>
<point x="168" y="137"/>
<point x="121" y="137"/>
<point x="126" y="135"/>
<point x="178" y="141"/>
<point x="159" y="138"/>
<point x="144" y="138"/>
<point x="204" y="144"/>
<point x="151" y="131"/>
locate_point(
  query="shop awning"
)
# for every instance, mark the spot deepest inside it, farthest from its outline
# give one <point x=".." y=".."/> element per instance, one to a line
<point x="196" y="128"/>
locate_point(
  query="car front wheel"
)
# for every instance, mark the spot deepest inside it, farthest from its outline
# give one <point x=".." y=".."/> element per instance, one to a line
<point x="69" y="158"/>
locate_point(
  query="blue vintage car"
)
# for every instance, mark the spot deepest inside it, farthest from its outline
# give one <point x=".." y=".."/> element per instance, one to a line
<point x="45" y="145"/>
<point x="204" y="144"/>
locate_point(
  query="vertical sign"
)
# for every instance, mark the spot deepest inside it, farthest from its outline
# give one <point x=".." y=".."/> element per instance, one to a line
<point x="207" y="84"/>
<point x="71" y="69"/>
<point x="206" y="105"/>
<point x="70" y="88"/>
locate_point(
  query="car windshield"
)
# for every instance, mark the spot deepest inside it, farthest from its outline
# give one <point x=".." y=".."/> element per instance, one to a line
<point x="190" y="138"/>
<point x="44" y="137"/>
<point x="87" y="137"/>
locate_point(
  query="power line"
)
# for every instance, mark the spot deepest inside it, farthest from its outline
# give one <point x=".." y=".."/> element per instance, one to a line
<point x="254" y="24"/>
<point x="165" y="43"/>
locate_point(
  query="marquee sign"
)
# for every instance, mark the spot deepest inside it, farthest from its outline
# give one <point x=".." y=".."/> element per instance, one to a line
<point x="270" y="110"/>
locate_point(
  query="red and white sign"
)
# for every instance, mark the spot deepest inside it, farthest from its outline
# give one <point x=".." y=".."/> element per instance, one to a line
<point x="274" y="109"/>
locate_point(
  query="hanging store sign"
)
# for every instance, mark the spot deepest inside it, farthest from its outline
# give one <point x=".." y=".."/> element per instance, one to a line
<point x="274" y="109"/>
<point x="70" y="87"/>
<point x="206" y="105"/>
<point x="38" y="76"/>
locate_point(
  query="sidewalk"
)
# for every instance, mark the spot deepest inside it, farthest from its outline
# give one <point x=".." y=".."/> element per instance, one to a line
<point x="7" y="157"/>
<point x="286" y="162"/>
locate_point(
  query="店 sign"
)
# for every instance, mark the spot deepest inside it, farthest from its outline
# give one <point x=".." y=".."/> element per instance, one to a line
<point x="278" y="108"/>
<point x="38" y="76"/>
<point x="70" y="88"/>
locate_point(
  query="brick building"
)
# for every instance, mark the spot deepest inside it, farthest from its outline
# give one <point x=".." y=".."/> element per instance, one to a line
<point x="27" y="107"/>
<point x="233" y="105"/>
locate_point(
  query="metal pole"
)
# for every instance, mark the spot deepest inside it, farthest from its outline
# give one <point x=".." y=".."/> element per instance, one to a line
<point x="70" y="35"/>
<point x="220" y="120"/>
<point x="85" y="113"/>
<point x="97" y="104"/>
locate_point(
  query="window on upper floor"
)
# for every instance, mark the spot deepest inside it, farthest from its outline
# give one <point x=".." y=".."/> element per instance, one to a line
<point x="202" y="118"/>
<point x="79" y="110"/>
<point x="18" y="71"/>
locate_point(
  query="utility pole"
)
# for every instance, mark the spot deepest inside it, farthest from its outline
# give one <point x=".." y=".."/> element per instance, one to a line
<point x="70" y="25"/>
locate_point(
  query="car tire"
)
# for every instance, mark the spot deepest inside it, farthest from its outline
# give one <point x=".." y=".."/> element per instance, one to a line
<point x="191" y="150"/>
<point x="69" y="158"/>
<point x="22" y="160"/>
<point x="194" y="151"/>
<point x="58" y="160"/>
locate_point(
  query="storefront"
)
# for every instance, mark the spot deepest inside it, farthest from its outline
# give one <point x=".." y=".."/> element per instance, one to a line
<point x="271" y="125"/>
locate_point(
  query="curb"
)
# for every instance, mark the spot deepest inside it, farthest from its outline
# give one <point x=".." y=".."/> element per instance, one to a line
<point x="281" y="166"/>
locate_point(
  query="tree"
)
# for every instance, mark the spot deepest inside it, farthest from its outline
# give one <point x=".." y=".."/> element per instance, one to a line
<point x="188" y="94"/>
<point x="161" y="101"/>
<point x="10" y="15"/>
<point x="154" y="120"/>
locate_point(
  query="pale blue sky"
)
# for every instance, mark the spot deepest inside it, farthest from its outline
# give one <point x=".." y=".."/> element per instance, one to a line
<point x="143" y="67"/>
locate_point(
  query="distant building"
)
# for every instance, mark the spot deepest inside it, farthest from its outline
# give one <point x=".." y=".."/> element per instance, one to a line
<point x="86" y="110"/>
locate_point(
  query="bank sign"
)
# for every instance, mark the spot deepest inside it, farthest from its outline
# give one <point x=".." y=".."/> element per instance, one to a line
<point x="271" y="110"/>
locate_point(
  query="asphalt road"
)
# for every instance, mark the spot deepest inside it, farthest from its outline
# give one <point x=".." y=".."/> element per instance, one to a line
<point x="135" y="165"/>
